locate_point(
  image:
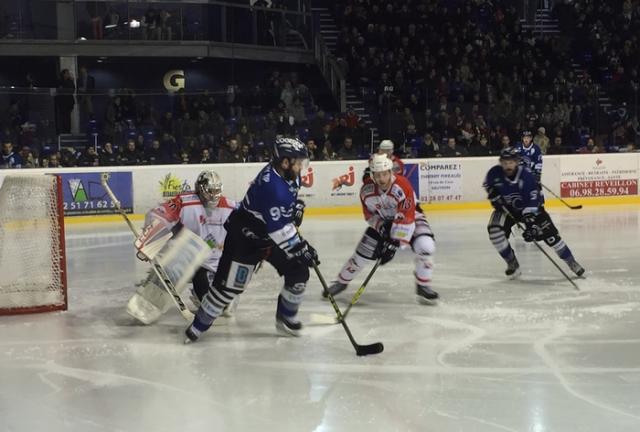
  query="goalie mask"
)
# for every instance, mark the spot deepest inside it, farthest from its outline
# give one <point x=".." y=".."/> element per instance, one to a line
<point x="209" y="188"/>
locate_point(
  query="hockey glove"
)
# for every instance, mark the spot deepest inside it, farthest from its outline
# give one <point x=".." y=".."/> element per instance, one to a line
<point x="532" y="231"/>
<point x="386" y="250"/>
<point x="303" y="253"/>
<point x="497" y="200"/>
<point x="385" y="230"/>
<point x="298" y="212"/>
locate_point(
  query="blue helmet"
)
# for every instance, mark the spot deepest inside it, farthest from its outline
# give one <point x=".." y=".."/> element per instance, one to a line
<point x="510" y="153"/>
<point x="289" y="148"/>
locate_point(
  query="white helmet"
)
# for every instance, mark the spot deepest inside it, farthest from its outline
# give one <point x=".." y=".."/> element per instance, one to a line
<point x="386" y="145"/>
<point x="379" y="163"/>
<point x="209" y="188"/>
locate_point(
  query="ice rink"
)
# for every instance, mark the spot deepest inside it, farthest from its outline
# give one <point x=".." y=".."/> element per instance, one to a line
<point x="494" y="355"/>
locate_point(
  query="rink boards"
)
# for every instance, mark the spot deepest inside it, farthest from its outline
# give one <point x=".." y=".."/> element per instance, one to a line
<point x="333" y="187"/>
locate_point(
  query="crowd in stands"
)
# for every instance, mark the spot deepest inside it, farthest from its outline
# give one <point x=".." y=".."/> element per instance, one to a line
<point x="467" y="70"/>
<point x="604" y="38"/>
<point x="238" y="125"/>
<point x="442" y="79"/>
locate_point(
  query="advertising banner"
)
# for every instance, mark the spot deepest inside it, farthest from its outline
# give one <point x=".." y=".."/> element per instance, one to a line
<point x="83" y="193"/>
<point x="598" y="175"/>
<point x="438" y="181"/>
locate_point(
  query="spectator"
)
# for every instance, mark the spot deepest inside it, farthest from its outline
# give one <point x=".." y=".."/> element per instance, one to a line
<point x="24" y="155"/>
<point x="542" y="140"/>
<point x="316" y="126"/>
<point x="68" y="158"/>
<point x="588" y="147"/>
<point x="480" y="147"/>
<point x="327" y="152"/>
<point x="230" y="153"/>
<point x="428" y="147"/>
<point x="107" y="156"/>
<point x="184" y="157"/>
<point x="351" y="119"/>
<point x="153" y="155"/>
<point x="505" y="142"/>
<point x="89" y="157"/>
<point x="245" y="154"/>
<point x="347" y="151"/>
<point x="556" y="147"/>
<point x="297" y="111"/>
<point x="339" y="133"/>
<point x="287" y="95"/>
<point x="205" y="157"/>
<point x="130" y="154"/>
<point x="314" y="152"/>
<point x="453" y="150"/>
<point x="9" y="158"/>
<point x="64" y="102"/>
<point x="31" y="161"/>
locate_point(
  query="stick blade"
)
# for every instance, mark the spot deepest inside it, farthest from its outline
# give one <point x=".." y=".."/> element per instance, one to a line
<point x="375" y="348"/>
<point x="578" y="207"/>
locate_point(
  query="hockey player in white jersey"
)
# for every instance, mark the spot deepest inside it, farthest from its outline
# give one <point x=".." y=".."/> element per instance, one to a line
<point x="202" y="212"/>
<point x="395" y="221"/>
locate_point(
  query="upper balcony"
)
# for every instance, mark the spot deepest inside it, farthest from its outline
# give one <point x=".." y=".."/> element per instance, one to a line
<point x="192" y="28"/>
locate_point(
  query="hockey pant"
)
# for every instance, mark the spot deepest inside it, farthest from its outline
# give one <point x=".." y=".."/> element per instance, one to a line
<point x="499" y="228"/>
<point x="244" y="247"/>
<point x="422" y="244"/>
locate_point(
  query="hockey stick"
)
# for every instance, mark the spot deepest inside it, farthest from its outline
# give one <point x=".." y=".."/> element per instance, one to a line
<point x="355" y="298"/>
<point x="157" y="268"/>
<point x="519" y="225"/>
<point x="361" y="350"/>
<point x="576" y="207"/>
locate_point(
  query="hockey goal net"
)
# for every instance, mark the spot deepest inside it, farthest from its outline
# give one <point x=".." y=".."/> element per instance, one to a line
<point x="32" y="253"/>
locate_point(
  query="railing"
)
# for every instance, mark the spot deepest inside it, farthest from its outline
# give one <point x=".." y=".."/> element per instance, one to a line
<point x="331" y="71"/>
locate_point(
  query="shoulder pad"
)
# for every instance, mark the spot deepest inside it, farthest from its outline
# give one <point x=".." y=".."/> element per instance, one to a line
<point x="367" y="189"/>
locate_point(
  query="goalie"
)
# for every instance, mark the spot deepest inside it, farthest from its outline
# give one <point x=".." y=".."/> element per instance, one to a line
<point x="175" y="234"/>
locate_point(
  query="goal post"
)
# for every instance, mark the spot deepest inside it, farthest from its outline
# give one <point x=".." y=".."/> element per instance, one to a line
<point x="33" y="275"/>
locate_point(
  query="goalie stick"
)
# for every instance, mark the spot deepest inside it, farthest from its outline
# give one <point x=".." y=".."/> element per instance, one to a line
<point x="157" y="268"/>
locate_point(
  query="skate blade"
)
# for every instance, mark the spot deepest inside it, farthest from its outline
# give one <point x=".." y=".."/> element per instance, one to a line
<point x="323" y="319"/>
<point x="515" y="275"/>
<point x="426" y="301"/>
<point x="283" y="330"/>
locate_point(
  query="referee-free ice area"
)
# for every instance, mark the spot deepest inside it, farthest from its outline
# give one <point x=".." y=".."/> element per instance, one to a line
<point x="495" y="355"/>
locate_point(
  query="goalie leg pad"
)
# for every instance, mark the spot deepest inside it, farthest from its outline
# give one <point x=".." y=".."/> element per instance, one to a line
<point x="150" y="300"/>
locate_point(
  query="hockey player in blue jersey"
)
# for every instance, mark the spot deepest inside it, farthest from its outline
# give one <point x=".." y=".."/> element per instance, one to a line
<point x="264" y="228"/>
<point x="530" y="155"/>
<point x="514" y="195"/>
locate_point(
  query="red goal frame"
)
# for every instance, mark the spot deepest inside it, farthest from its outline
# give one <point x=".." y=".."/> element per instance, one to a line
<point x="63" y="263"/>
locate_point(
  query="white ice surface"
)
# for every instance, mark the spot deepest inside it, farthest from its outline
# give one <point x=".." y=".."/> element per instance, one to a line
<point x="494" y="355"/>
